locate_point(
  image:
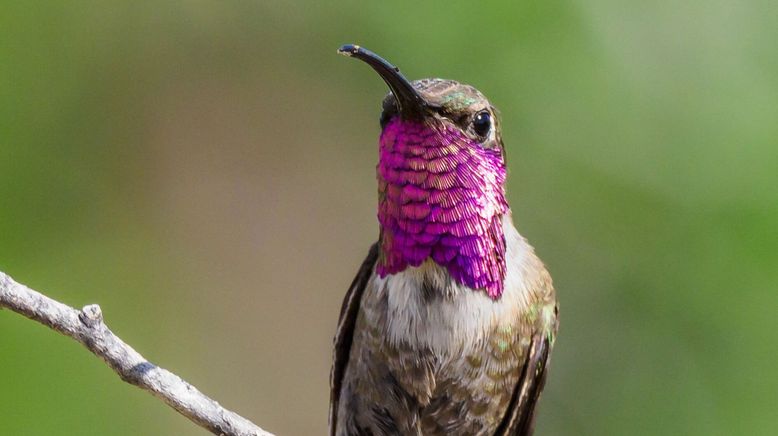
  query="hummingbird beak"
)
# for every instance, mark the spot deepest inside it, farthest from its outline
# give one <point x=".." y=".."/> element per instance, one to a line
<point x="410" y="103"/>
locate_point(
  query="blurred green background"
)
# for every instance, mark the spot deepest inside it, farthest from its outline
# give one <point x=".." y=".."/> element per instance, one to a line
<point x="206" y="172"/>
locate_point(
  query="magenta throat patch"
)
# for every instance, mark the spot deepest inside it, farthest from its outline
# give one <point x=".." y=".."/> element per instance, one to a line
<point x="441" y="196"/>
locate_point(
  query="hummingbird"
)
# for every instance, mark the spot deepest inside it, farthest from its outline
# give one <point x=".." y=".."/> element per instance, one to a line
<point x="449" y="324"/>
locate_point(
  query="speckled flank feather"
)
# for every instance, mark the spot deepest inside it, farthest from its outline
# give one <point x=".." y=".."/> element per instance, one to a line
<point x="448" y="362"/>
<point x="441" y="196"/>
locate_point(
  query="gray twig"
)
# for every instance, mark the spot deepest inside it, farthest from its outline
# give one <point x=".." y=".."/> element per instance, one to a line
<point x="87" y="327"/>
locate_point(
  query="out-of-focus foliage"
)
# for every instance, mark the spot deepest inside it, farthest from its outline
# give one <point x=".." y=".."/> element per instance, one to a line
<point x="205" y="171"/>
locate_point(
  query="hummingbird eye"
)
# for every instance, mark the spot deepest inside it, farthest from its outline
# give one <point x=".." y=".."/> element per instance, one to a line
<point x="482" y="123"/>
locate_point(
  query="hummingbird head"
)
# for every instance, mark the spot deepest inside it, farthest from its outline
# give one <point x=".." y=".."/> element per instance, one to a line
<point x="441" y="178"/>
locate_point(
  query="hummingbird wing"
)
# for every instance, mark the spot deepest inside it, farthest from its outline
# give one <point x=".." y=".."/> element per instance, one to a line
<point x="345" y="332"/>
<point x="519" y="418"/>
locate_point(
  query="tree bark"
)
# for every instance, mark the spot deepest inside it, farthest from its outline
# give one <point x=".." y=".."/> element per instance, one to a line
<point x="87" y="327"/>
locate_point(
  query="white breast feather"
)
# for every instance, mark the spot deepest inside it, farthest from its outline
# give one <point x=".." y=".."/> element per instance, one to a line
<point x="454" y="325"/>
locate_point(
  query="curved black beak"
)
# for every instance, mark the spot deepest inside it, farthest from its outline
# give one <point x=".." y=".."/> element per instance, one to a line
<point x="410" y="103"/>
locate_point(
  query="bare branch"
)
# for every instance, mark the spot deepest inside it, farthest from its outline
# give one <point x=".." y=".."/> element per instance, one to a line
<point x="87" y="327"/>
